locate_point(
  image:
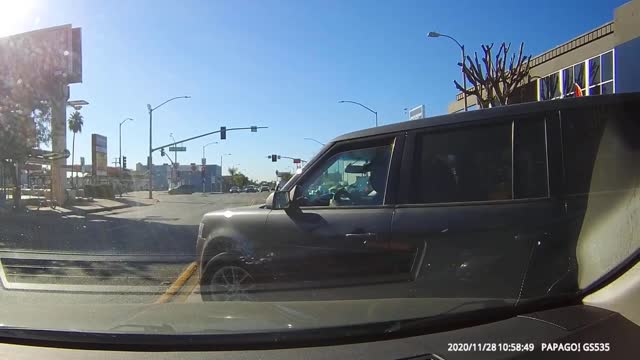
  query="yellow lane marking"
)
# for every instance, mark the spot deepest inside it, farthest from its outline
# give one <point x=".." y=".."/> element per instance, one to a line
<point x="175" y="287"/>
<point x="187" y="290"/>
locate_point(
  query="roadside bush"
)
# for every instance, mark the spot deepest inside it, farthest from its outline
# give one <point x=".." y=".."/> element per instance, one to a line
<point x="89" y="191"/>
<point x="102" y="191"/>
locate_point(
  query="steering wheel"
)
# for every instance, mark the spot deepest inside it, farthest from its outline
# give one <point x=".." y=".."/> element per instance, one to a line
<point x="340" y="194"/>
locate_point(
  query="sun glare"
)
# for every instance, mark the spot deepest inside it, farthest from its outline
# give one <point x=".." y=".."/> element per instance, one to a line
<point x="16" y="16"/>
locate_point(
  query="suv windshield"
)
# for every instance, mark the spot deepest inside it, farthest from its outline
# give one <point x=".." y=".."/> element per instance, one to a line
<point x="214" y="167"/>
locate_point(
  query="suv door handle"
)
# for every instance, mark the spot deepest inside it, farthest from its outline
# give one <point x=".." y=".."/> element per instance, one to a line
<point x="363" y="236"/>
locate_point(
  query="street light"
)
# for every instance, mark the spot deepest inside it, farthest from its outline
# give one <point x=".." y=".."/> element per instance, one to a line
<point x="433" y="34"/>
<point x="204" y="146"/>
<point x="221" y="176"/>
<point x="77" y="104"/>
<point x="175" y="148"/>
<point x="312" y="139"/>
<point x="120" y="140"/>
<point x="357" y="103"/>
<point x="150" y="159"/>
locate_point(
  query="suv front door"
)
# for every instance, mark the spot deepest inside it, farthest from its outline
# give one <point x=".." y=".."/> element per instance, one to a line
<point x="338" y="232"/>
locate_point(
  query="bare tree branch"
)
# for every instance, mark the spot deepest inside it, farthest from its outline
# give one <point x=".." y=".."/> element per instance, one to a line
<point x="493" y="80"/>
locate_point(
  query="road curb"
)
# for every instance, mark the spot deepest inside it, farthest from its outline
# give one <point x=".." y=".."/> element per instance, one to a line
<point x="180" y="281"/>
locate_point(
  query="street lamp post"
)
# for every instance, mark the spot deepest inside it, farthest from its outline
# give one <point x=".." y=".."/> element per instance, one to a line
<point x="312" y="139"/>
<point x="149" y="160"/>
<point x="433" y="34"/>
<point x="221" y="155"/>
<point x="357" y="103"/>
<point x="120" y="141"/>
<point x="175" y="148"/>
<point x="203" y="163"/>
<point x="204" y="146"/>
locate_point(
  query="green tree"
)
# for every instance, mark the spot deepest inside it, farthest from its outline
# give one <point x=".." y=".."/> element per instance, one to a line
<point x="239" y="179"/>
<point x="76" y="121"/>
<point x="232" y="171"/>
<point x="285" y="176"/>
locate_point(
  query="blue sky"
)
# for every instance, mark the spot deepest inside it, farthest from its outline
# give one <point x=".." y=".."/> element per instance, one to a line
<point x="281" y="64"/>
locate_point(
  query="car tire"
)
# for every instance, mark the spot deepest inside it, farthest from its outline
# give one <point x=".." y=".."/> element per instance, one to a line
<point x="226" y="281"/>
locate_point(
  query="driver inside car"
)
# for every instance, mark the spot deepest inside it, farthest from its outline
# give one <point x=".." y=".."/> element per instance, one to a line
<point x="373" y="193"/>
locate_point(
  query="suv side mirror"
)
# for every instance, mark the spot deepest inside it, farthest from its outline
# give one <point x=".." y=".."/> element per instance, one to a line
<point x="284" y="199"/>
<point x="281" y="200"/>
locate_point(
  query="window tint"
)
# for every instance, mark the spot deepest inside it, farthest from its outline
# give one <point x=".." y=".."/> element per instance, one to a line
<point x="607" y="66"/>
<point x="567" y="80"/>
<point x="578" y="74"/>
<point x="531" y="159"/>
<point x="470" y="164"/>
<point x="594" y="71"/>
<point x="601" y="148"/>
<point x="353" y="177"/>
<point x="550" y="87"/>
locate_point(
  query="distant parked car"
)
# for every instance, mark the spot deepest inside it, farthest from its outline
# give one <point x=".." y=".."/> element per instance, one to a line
<point x="234" y="189"/>
<point x="250" y="189"/>
<point x="183" y="189"/>
<point x="264" y="188"/>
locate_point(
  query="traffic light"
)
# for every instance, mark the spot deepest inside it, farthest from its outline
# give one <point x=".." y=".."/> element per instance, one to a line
<point x="223" y="132"/>
<point x="254" y="129"/>
<point x="124" y="162"/>
<point x="162" y="152"/>
<point x="274" y="158"/>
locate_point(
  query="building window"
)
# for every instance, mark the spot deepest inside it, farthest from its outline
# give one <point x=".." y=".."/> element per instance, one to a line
<point x="550" y="87"/>
<point x="598" y="71"/>
<point x="572" y="76"/>
<point x="601" y="74"/>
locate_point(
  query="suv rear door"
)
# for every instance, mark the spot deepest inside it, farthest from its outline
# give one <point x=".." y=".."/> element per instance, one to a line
<point x="475" y="206"/>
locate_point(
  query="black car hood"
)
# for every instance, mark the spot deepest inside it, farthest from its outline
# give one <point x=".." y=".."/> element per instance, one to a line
<point x="239" y="222"/>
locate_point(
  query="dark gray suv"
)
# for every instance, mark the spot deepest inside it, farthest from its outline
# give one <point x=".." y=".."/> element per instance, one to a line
<point x="485" y="204"/>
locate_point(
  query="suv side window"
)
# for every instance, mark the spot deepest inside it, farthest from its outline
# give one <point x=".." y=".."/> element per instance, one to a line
<point x="466" y="164"/>
<point x="600" y="147"/>
<point x="350" y="177"/>
<point x="530" y="149"/>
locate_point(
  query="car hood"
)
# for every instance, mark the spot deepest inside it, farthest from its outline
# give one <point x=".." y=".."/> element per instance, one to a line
<point x="243" y="222"/>
<point x="229" y="317"/>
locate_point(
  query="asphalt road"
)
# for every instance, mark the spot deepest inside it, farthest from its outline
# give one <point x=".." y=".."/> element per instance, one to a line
<point x="123" y="256"/>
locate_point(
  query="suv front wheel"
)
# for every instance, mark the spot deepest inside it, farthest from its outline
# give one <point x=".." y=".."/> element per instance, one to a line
<point x="226" y="282"/>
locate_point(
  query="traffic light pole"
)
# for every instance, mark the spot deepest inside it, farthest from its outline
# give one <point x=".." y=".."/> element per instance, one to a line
<point x="152" y="149"/>
<point x="207" y="134"/>
<point x="149" y="161"/>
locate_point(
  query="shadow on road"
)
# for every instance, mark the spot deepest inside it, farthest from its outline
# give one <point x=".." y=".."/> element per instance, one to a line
<point x="95" y="234"/>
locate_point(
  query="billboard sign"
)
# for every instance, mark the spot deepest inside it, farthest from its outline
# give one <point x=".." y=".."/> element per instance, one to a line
<point x="99" y="155"/>
<point x="51" y="51"/>
<point x="417" y="113"/>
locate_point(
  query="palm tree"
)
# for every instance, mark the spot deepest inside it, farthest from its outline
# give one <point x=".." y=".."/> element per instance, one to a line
<point x="75" y="125"/>
<point x="232" y="171"/>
